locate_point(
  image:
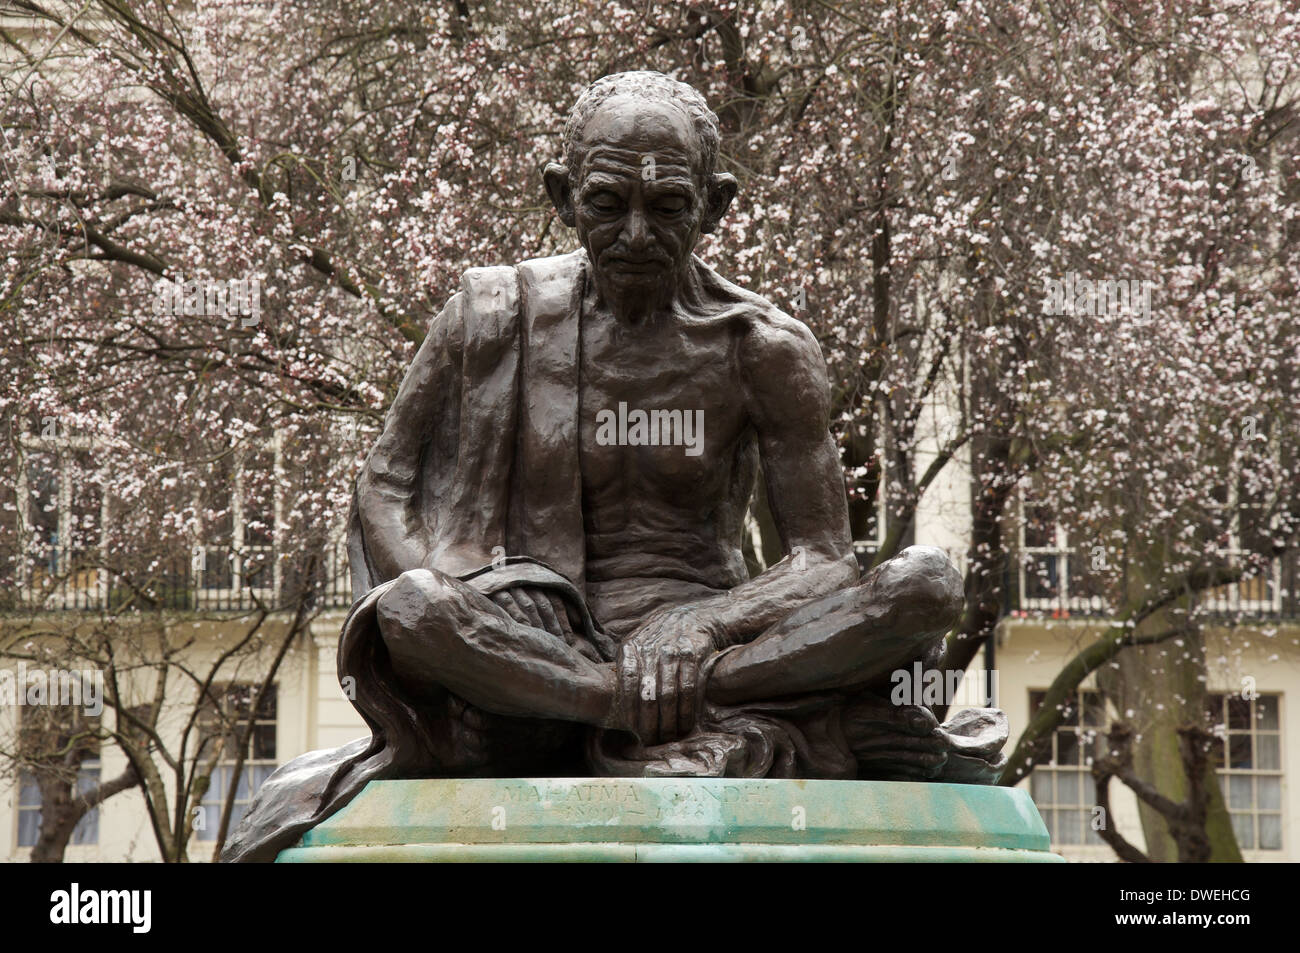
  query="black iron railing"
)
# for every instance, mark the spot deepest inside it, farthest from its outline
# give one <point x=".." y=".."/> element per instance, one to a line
<point x="211" y="578"/>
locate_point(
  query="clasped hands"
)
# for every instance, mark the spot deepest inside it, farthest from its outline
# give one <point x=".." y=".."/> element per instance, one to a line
<point x="658" y="672"/>
<point x="658" y="667"/>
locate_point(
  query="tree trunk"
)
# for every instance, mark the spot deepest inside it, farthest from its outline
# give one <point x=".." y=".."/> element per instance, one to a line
<point x="59" y="817"/>
<point x="1163" y="685"/>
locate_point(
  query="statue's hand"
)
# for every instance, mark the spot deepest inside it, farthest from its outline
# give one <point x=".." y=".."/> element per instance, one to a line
<point x="895" y="742"/>
<point x="659" y="669"/>
<point x="546" y="610"/>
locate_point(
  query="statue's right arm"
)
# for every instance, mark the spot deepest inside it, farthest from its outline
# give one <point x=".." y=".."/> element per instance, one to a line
<point x="397" y="537"/>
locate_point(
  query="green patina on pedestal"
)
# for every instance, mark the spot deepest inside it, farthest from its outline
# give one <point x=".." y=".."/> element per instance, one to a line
<point x="677" y="819"/>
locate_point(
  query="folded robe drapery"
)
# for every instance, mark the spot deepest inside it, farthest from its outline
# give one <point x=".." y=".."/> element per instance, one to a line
<point x="407" y="739"/>
<point x="476" y="473"/>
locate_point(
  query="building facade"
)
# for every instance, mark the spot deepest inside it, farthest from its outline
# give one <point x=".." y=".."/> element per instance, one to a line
<point x="1253" y="675"/>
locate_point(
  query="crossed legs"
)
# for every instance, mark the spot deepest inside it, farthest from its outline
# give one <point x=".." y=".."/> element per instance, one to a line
<point x="444" y="634"/>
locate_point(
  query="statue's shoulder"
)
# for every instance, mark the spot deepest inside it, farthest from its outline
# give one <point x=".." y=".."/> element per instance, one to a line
<point x="565" y="269"/>
<point x="768" y="333"/>
<point x="489" y="290"/>
<point x="491" y="295"/>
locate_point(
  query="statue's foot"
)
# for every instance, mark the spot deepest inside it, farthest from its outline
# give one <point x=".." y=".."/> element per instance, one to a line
<point x="975" y="737"/>
<point x="702" y="754"/>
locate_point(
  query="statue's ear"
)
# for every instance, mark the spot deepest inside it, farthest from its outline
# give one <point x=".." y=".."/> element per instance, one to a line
<point x="556" y="177"/>
<point x="722" y="189"/>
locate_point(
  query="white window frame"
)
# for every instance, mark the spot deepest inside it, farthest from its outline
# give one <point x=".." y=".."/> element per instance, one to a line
<point x="1254" y="772"/>
<point x="214" y="798"/>
<point x="1083" y="772"/>
<point x="72" y="591"/>
<point x="88" y="766"/>
<point x="1229" y="598"/>
<point x="1059" y="552"/>
<point x="237" y="550"/>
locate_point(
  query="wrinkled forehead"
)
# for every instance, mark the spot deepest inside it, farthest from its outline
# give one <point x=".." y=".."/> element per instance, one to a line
<point x="624" y="130"/>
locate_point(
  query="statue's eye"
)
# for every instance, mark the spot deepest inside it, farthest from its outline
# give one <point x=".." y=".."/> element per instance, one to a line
<point x="674" y="205"/>
<point x="605" y="202"/>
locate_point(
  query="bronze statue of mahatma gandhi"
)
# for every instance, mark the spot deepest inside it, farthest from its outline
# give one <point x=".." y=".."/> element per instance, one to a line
<point x="546" y="540"/>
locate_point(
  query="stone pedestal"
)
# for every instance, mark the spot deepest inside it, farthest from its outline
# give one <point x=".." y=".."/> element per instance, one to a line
<point x="677" y="819"/>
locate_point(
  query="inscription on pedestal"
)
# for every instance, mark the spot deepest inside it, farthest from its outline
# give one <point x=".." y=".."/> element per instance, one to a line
<point x="608" y="802"/>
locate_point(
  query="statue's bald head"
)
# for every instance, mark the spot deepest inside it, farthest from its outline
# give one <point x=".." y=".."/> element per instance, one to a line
<point x="639" y="183"/>
<point x="650" y="88"/>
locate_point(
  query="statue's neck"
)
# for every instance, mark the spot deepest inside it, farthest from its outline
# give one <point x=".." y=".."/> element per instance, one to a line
<point x="635" y="310"/>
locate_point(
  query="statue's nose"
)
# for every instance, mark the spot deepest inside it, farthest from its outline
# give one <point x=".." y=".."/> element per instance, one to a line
<point x="636" y="231"/>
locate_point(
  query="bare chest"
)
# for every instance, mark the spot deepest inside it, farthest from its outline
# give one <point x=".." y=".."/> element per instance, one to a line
<point x="661" y="409"/>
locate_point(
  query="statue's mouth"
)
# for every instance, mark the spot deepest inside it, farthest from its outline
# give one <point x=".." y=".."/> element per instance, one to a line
<point x="638" y="266"/>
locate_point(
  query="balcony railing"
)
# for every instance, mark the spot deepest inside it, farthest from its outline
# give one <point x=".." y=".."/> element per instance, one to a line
<point x="212" y="578"/>
<point x="1040" y="585"/>
<point x="1061" y="584"/>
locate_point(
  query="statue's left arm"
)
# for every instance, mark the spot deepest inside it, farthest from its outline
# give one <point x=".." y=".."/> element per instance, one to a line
<point x="785" y="382"/>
